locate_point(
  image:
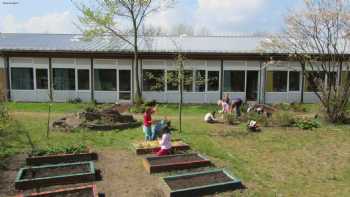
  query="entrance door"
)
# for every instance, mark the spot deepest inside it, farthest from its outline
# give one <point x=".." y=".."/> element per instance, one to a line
<point x="252" y="85"/>
<point x="124" y="85"/>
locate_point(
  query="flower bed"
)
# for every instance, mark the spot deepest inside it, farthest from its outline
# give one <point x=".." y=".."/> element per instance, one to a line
<point x="58" y="174"/>
<point x="61" y="158"/>
<point x="174" y="162"/>
<point x="150" y="146"/>
<point x="200" y="183"/>
<point x="84" y="191"/>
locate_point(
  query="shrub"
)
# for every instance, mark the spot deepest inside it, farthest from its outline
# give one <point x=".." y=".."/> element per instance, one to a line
<point x="75" y="100"/>
<point x="259" y="118"/>
<point x="283" y="106"/>
<point x="284" y="119"/>
<point x="230" y="119"/>
<point x="307" y="124"/>
<point x="80" y="148"/>
<point x="297" y="107"/>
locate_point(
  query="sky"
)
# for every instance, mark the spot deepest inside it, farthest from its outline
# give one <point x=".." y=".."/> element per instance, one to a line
<point x="216" y="16"/>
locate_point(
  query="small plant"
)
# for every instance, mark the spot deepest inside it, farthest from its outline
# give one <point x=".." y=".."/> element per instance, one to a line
<point x="284" y="119"/>
<point x="297" y="107"/>
<point x="259" y="118"/>
<point x="307" y="124"/>
<point x="60" y="150"/>
<point x="75" y="100"/>
<point x="230" y="119"/>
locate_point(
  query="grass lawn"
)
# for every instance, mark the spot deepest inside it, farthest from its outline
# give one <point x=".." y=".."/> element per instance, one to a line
<point x="276" y="162"/>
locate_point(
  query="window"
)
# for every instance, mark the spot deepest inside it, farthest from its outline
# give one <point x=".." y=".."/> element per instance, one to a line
<point x="22" y="78"/>
<point x="314" y="80"/>
<point x="153" y="80"/>
<point x="124" y="84"/>
<point x="188" y="80"/>
<point x="200" y="81"/>
<point x="64" y="79"/>
<point x="41" y="79"/>
<point x="234" y="81"/>
<point x="213" y="80"/>
<point x="105" y="79"/>
<point x="276" y="81"/>
<point x="332" y="79"/>
<point x="294" y="81"/>
<point x="172" y="80"/>
<point x="83" y="79"/>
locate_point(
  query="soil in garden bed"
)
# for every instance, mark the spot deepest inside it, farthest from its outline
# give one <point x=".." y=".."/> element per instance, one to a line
<point x="55" y="171"/>
<point x="75" y="193"/>
<point x="198" y="180"/>
<point x="175" y="159"/>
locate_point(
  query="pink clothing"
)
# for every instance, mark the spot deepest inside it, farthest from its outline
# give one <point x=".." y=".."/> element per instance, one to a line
<point x="225" y="107"/>
<point x="165" y="143"/>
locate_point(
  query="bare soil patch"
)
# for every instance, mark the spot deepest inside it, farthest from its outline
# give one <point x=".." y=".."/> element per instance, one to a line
<point x="198" y="180"/>
<point x="55" y="171"/>
<point x="175" y="159"/>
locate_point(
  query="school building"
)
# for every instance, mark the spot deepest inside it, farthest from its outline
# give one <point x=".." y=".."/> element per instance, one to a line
<point x="101" y="69"/>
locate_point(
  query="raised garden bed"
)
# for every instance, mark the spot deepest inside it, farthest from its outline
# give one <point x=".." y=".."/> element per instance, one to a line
<point x="57" y="174"/>
<point x="143" y="148"/>
<point x="175" y="162"/>
<point x="61" y="158"/>
<point x="84" y="191"/>
<point x="200" y="183"/>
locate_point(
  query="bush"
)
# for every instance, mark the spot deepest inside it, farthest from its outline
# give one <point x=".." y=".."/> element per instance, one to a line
<point x="283" y="106"/>
<point x="259" y="118"/>
<point x="284" y="119"/>
<point x="230" y="119"/>
<point x="307" y="124"/>
<point x="75" y="100"/>
<point x="297" y="107"/>
<point x="60" y="150"/>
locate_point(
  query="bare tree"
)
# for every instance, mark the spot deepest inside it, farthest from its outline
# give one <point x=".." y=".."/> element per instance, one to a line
<point x="122" y="19"/>
<point x="317" y="36"/>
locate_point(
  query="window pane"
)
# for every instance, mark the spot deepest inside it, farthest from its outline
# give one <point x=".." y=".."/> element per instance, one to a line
<point x="172" y="80"/>
<point x="83" y="79"/>
<point x="314" y="80"/>
<point x="153" y="80"/>
<point x="41" y="79"/>
<point x="332" y="78"/>
<point x="294" y="81"/>
<point x="124" y="96"/>
<point x="234" y="81"/>
<point x="124" y="80"/>
<point x="200" y="81"/>
<point x="188" y="80"/>
<point x="213" y="80"/>
<point x="22" y="78"/>
<point x="279" y="80"/>
<point x="105" y="79"/>
<point x="64" y="79"/>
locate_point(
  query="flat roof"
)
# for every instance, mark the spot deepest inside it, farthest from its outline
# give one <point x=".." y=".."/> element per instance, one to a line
<point x="24" y="42"/>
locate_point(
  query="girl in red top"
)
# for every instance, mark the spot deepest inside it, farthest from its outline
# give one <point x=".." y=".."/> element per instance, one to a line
<point x="147" y="121"/>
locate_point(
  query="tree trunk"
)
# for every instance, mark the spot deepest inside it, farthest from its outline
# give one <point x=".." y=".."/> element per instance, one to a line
<point x="302" y="83"/>
<point x="181" y="79"/>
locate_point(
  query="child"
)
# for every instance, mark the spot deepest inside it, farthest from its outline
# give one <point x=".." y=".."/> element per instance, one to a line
<point x="253" y="126"/>
<point x="225" y="106"/>
<point x="157" y="128"/>
<point x="165" y="142"/>
<point x="147" y="122"/>
<point x="210" y="118"/>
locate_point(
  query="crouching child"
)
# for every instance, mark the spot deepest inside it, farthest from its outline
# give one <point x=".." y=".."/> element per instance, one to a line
<point x="165" y="142"/>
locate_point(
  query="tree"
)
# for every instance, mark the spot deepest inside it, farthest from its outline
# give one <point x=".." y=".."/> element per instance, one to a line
<point x="317" y="36"/>
<point x="122" y="19"/>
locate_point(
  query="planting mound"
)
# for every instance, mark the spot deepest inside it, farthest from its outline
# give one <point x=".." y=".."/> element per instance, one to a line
<point x="98" y="119"/>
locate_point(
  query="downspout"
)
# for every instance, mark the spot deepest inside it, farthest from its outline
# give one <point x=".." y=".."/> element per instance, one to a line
<point x="92" y="75"/>
<point x="221" y="77"/>
<point x="7" y="76"/>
